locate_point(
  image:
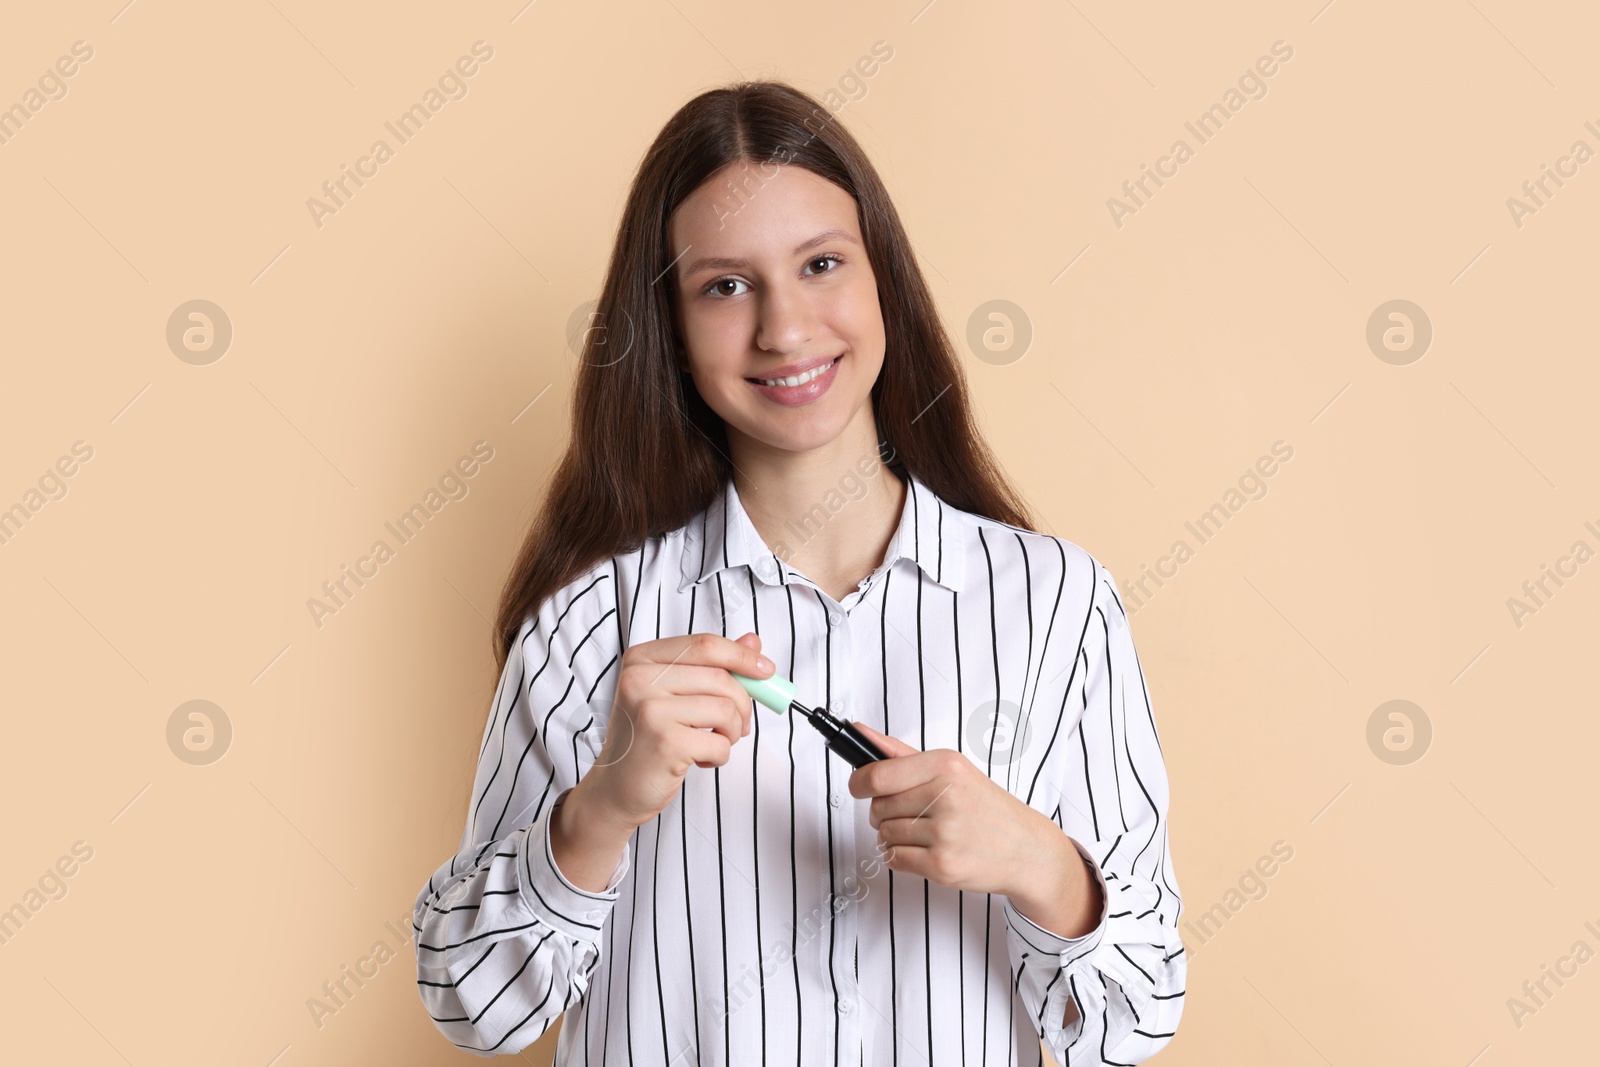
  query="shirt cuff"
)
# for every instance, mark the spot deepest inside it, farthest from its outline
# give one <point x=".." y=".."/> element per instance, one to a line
<point x="1048" y="943"/>
<point x="578" y="913"/>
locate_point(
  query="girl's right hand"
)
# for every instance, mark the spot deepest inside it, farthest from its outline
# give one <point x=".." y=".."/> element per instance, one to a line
<point x="669" y="692"/>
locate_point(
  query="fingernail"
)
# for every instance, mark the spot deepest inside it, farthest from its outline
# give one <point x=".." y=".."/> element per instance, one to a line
<point x="746" y="729"/>
<point x="765" y="664"/>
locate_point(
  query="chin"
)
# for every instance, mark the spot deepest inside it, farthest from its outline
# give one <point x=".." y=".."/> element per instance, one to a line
<point x="799" y="434"/>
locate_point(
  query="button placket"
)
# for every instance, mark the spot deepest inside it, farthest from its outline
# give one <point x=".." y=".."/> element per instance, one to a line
<point x="842" y="812"/>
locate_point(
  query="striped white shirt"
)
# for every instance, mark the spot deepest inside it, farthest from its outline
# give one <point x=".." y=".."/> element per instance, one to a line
<point x="752" y="921"/>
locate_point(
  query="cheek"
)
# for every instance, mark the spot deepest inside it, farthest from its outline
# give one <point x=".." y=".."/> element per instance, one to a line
<point x="858" y="316"/>
<point x="716" y="347"/>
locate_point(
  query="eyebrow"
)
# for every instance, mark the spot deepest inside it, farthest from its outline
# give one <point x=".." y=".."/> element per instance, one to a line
<point x="720" y="263"/>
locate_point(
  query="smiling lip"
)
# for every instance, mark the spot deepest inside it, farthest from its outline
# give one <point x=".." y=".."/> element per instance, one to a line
<point x="791" y="370"/>
<point x="806" y="392"/>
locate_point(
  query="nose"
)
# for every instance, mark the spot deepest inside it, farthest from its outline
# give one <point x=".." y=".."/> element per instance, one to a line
<point x="786" y="322"/>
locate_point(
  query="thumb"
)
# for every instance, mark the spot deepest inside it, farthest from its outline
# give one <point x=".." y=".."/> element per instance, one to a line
<point x="892" y="745"/>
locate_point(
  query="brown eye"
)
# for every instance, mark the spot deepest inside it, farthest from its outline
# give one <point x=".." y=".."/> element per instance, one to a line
<point x="824" y="259"/>
<point x="715" y="288"/>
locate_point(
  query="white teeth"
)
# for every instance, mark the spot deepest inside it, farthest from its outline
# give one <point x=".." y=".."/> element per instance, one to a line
<point x="800" y="379"/>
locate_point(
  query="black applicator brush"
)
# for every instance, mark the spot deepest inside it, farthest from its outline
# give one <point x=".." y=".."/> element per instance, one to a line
<point x="777" y="693"/>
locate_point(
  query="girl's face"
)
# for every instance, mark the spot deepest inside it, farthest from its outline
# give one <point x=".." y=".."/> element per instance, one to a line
<point x="774" y="283"/>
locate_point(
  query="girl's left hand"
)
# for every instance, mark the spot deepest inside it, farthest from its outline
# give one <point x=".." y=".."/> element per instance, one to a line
<point x="939" y="816"/>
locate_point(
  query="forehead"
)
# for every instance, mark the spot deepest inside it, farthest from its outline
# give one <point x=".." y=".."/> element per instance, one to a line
<point x="756" y="212"/>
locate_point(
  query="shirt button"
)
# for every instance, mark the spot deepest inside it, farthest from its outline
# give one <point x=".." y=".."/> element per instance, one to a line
<point x="595" y="915"/>
<point x="845" y="1006"/>
<point x="834" y="800"/>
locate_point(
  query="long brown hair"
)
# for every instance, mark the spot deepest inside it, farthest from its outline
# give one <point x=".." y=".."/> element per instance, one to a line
<point x="646" y="453"/>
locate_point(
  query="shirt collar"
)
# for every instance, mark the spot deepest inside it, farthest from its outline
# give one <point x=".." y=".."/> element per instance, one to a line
<point x="930" y="533"/>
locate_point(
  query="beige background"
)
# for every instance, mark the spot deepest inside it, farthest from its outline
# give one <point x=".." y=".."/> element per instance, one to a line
<point x="1168" y="354"/>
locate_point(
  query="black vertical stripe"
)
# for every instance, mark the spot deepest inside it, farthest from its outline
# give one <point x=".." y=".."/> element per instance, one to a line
<point x="988" y="898"/>
<point x="716" y="780"/>
<point x="1078" y="657"/>
<point x="1027" y="663"/>
<point x="1025" y="725"/>
<point x="688" y="911"/>
<point x="655" y="897"/>
<point x="961" y="896"/>
<point x="755" y="808"/>
<point x="722" y="870"/>
<point x="1111" y="716"/>
<point x="894" y="994"/>
<point x="794" y="860"/>
<point x="927" y="906"/>
<point x="833" y="885"/>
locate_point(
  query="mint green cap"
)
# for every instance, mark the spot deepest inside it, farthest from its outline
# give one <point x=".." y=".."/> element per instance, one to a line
<point x="775" y="692"/>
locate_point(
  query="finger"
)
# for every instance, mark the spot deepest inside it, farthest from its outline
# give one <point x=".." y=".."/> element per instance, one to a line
<point x="709" y="749"/>
<point x="894" y="775"/>
<point x="697" y="711"/>
<point x="908" y="859"/>
<point x="919" y="802"/>
<point x="710" y="650"/>
<point x="893" y="746"/>
<point x="725" y="717"/>
<point x="692" y="679"/>
<point x="901" y="832"/>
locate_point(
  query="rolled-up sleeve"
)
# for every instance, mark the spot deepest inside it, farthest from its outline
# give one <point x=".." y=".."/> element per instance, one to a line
<point x="1127" y="975"/>
<point x="504" y="942"/>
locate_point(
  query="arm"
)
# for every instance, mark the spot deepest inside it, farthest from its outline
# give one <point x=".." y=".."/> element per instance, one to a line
<point x="1115" y="992"/>
<point x="504" y="941"/>
<point x="1066" y="892"/>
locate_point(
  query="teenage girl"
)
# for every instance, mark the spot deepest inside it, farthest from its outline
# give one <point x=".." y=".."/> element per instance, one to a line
<point x="772" y="439"/>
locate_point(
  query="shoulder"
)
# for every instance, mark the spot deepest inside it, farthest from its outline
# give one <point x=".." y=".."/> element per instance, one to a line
<point x="1047" y="576"/>
<point x="574" y="610"/>
<point x="608" y="591"/>
<point x="1044" y="560"/>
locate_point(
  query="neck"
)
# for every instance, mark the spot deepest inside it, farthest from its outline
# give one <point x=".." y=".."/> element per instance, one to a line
<point x="829" y="512"/>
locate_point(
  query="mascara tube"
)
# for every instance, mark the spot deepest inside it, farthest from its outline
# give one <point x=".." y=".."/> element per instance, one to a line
<point x="777" y="693"/>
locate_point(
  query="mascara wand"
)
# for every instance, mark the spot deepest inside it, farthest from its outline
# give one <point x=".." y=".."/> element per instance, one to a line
<point x="777" y="693"/>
